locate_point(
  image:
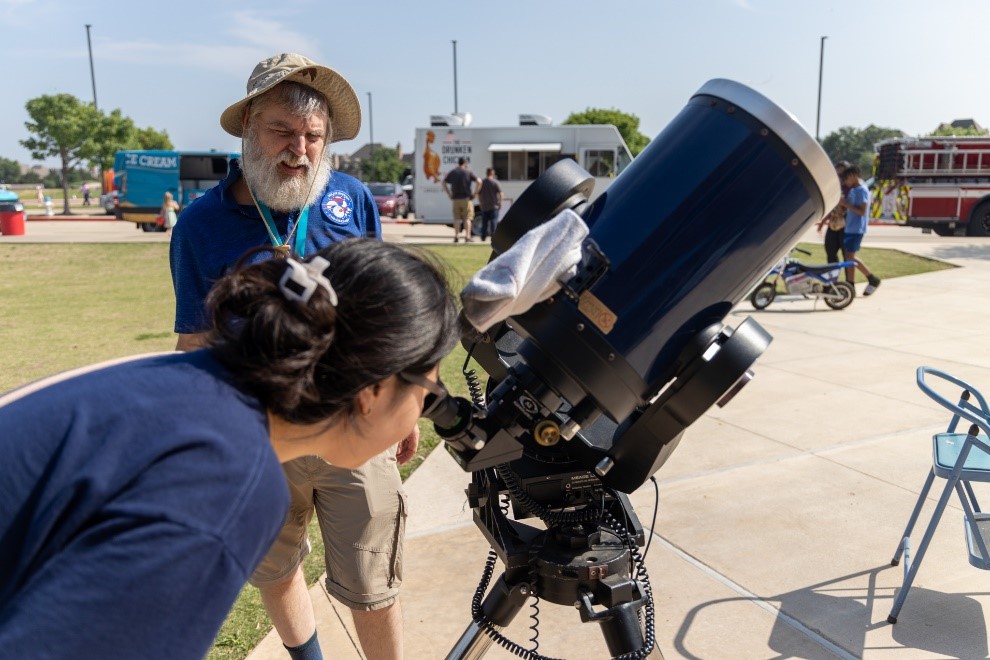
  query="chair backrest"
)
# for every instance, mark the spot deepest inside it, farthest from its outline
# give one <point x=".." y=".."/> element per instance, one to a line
<point x="978" y="414"/>
<point x="955" y="460"/>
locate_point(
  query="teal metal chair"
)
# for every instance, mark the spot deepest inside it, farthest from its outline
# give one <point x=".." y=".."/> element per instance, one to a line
<point x="960" y="459"/>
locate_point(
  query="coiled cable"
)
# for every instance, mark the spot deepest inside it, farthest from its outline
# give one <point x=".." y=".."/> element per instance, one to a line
<point x="475" y="389"/>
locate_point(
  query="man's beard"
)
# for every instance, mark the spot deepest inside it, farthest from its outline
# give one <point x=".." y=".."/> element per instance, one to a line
<point x="282" y="193"/>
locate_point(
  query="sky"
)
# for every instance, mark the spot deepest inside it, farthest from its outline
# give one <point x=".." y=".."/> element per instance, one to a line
<point x="176" y="65"/>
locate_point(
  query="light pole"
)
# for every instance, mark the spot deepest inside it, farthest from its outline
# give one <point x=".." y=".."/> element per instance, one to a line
<point x="821" y="64"/>
<point x="455" y="75"/>
<point x="92" y="75"/>
<point x="371" y="128"/>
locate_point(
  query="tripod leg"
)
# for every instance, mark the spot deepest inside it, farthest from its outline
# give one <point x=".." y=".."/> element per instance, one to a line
<point x="500" y="607"/>
<point x="620" y="627"/>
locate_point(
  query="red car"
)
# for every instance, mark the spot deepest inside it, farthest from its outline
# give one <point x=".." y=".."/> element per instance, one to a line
<point x="391" y="199"/>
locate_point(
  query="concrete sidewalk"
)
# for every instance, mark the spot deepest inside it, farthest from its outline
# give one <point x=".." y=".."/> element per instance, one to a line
<point x="779" y="513"/>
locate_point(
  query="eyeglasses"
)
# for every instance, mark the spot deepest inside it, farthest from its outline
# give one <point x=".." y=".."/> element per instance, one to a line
<point x="437" y="392"/>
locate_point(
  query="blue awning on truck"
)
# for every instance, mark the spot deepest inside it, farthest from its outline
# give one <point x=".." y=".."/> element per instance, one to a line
<point x="525" y="146"/>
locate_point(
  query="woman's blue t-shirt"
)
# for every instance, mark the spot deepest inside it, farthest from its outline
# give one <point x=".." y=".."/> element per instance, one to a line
<point x="135" y="501"/>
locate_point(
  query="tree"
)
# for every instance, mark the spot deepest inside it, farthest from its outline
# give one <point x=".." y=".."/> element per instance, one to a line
<point x="63" y="128"/>
<point x="30" y="177"/>
<point x="627" y="124"/>
<point x="118" y="132"/>
<point x="384" y="165"/>
<point x="946" y="130"/>
<point x="856" y="145"/>
<point x="10" y="171"/>
<point x="113" y="133"/>
<point x="149" y="138"/>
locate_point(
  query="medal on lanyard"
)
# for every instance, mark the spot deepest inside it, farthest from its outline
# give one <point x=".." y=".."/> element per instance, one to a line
<point x="299" y="229"/>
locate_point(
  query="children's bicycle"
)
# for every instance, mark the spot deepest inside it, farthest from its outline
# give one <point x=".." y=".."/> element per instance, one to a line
<point x="804" y="282"/>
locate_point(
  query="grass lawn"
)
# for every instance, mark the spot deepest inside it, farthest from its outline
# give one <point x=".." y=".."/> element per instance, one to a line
<point x="67" y="305"/>
<point x="30" y="195"/>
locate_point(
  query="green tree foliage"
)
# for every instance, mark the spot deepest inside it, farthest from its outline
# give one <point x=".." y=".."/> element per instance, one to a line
<point x="384" y="165"/>
<point x="30" y="177"/>
<point x="54" y="180"/>
<point x="627" y="124"/>
<point x="113" y="133"/>
<point x="118" y="132"/>
<point x="10" y="171"/>
<point x="856" y="145"/>
<point x="149" y="138"/>
<point x="62" y="127"/>
<point x="946" y="130"/>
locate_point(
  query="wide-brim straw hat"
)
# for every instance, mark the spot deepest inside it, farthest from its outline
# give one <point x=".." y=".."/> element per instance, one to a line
<point x="345" y="110"/>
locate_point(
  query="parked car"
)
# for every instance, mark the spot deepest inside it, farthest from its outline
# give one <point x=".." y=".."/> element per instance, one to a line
<point x="391" y="199"/>
<point x="109" y="202"/>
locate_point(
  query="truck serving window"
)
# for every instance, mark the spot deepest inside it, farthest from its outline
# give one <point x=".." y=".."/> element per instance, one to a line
<point x="203" y="167"/>
<point x="622" y="162"/>
<point x="524" y="165"/>
<point x="199" y="173"/>
<point x="600" y="162"/>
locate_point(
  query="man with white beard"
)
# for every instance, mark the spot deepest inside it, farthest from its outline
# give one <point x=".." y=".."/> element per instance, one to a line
<point x="284" y="194"/>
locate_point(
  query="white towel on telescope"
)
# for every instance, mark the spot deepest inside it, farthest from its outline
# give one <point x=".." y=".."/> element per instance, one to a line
<point x="530" y="271"/>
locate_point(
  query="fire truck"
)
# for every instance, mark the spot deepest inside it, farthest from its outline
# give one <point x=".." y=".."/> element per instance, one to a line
<point x="940" y="184"/>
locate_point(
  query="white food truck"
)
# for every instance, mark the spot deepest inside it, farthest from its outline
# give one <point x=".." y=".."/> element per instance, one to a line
<point x="519" y="155"/>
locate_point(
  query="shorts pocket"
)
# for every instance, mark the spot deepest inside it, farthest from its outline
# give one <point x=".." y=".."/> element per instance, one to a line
<point x="380" y="553"/>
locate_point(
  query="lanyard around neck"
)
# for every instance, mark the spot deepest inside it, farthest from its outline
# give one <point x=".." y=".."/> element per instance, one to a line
<point x="299" y="229"/>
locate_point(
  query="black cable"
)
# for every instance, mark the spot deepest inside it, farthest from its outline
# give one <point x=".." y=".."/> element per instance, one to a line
<point x="549" y="516"/>
<point x="653" y="523"/>
<point x="478" y="616"/>
<point x="473" y="382"/>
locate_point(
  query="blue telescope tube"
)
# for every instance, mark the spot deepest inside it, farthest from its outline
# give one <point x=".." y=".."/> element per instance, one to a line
<point x="700" y="215"/>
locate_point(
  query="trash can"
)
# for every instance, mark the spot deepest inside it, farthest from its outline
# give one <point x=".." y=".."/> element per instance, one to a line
<point x="11" y="218"/>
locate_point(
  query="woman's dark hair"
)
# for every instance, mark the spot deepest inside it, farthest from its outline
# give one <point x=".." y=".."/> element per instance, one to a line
<point x="307" y="361"/>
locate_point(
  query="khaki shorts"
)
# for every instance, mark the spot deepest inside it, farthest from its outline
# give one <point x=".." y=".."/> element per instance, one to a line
<point x="463" y="210"/>
<point x="362" y="515"/>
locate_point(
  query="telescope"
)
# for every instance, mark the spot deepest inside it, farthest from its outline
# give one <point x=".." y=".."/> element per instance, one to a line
<point x="590" y="390"/>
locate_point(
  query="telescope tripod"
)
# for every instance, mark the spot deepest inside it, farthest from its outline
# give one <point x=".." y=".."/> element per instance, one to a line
<point x="586" y="557"/>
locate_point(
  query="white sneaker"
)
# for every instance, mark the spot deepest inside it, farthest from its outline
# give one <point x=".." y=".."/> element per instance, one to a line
<point x="870" y="288"/>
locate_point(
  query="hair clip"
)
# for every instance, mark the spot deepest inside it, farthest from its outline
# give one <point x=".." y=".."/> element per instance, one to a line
<point x="300" y="280"/>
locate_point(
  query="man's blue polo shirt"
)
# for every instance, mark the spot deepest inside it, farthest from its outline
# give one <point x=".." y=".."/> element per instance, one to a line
<point x="214" y="231"/>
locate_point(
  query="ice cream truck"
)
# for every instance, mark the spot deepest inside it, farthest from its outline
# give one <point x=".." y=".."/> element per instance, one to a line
<point x="141" y="179"/>
<point x="519" y="154"/>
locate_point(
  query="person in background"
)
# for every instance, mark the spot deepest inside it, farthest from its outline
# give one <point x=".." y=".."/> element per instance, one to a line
<point x="490" y="200"/>
<point x="856" y="204"/>
<point x="85" y="193"/>
<point x="284" y="193"/>
<point x="131" y="516"/>
<point x="169" y="211"/>
<point x="459" y="187"/>
<point x="835" y="220"/>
